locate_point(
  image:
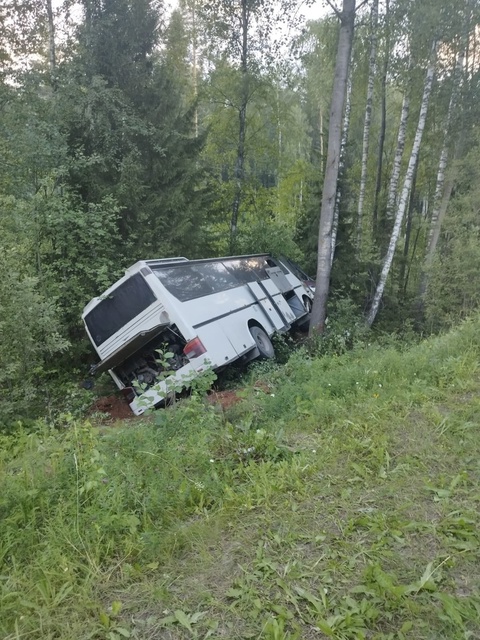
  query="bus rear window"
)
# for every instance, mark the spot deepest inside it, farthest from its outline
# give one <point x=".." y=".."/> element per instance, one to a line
<point x="122" y="305"/>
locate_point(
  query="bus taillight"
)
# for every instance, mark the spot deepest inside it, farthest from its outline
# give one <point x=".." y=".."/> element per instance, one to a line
<point x="194" y="348"/>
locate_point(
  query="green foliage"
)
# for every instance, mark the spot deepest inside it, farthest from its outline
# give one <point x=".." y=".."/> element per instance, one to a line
<point x="30" y="339"/>
<point x="453" y="292"/>
<point x="345" y="330"/>
<point x="344" y="500"/>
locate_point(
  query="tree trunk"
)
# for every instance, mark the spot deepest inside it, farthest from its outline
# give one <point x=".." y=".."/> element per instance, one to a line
<point x="408" y="230"/>
<point x="372" y="68"/>
<point x="52" y="56"/>
<point x="397" y="163"/>
<point x="242" y="129"/>
<point x="443" y="191"/>
<point x="442" y="165"/>
<point x="194" y="65"/>
<point x="383" y="123"/>
<point x="341" y="165"/>
<point x="405" y="191"/>
<point x="320" y="123"/>
<point x="344" y="49"/>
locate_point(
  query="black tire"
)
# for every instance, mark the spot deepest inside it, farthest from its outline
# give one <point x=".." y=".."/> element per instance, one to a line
<point x="263" y="343"/>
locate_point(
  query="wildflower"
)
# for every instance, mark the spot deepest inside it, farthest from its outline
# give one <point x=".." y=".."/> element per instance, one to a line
<point x="212" y="460"/>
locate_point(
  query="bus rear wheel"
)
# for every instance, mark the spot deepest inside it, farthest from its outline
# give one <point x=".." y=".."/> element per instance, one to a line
<point x="263" y="343"/>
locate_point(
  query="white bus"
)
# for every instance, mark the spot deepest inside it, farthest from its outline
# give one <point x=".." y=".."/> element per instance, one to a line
<point x="201" y="313"/>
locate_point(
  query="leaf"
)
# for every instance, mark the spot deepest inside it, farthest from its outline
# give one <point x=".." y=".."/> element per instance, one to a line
<point x="182" y="618"/>
<point x="123" y="632"/>
<point x="325" y="627"/>
<point x="198" y="615"/>
<point x="406" y="626"/>
<point x="426" y="578"/>
<point x="116" y="607"/>
<point x="306" y="595"/>
<point x="104" y="619"/>
<point x="451" y="608"/>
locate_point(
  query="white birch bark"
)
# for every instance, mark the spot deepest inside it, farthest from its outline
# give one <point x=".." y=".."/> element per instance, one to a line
<point x="407" y="185"/>
<point x="442" y="165"/>
<point x="324" y="266"/>
<point x="194" y="65"/>
<point x="372" y="70"/>
<point x="397" y="162"/>
<point x="341" y="164"/>
<point x="443" y="190"/>
<point x="52" y="55"/>
<point x="320" y="123"/>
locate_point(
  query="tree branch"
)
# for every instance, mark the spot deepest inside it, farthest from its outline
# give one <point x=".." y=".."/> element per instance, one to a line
<point x="334" y="8"/>
<point x="360" y="5"/>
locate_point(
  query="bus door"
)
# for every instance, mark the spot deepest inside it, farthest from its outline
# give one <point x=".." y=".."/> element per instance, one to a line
<point x="277" y="315"/>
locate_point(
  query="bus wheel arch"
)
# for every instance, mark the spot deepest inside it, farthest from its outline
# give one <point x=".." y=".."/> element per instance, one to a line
<point x="263" y="345"/>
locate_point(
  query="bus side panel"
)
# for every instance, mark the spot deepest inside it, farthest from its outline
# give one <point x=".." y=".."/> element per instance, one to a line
<point x="219" y="349"/>
<point x="236" y="328"/>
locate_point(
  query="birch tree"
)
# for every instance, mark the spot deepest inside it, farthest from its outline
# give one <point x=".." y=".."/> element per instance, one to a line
<point x="341" y="166"/>
<point x="443" y="190"/>
<point x="324" y="264"/>
<point x="407" y="185"/>
<point x="372" y="67"/>
<point x="190" y="10"/>
<point x="442" y="165"/>
<point x="52" y="53"/>
<point x="383" y="110"/>
<point x="399" y="149"/>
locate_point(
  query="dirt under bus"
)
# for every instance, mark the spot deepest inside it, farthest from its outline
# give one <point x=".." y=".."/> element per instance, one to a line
<point x="168" y="320"/>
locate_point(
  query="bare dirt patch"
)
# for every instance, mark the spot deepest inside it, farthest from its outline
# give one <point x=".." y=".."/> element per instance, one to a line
<point x="225" y="399"/>
<point x="113" y="408"/>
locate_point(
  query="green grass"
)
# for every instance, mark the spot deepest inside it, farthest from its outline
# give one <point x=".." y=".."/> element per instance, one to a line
<point x="344" y="504"/>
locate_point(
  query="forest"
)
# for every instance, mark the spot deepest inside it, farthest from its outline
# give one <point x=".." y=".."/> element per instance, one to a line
<point x="131" y="130"/>
<point x="336" y="496"/>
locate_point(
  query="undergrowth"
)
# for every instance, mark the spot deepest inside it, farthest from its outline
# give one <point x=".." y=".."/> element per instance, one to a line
<point x="339" y="499"/>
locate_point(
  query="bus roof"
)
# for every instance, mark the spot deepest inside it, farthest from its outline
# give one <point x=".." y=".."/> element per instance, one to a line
<point x="172" y="261"/>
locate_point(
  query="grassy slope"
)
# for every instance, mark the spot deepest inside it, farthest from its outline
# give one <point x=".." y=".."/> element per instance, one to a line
<point x="345" y="504"/>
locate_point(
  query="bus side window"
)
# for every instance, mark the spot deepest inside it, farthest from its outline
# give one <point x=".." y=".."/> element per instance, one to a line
<point x="183" y="282"/>
<point x="217" y="276"/>
<point x="248" y="269"/>
<point x="240" y="271"/>
<point x="196" y="280"/>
